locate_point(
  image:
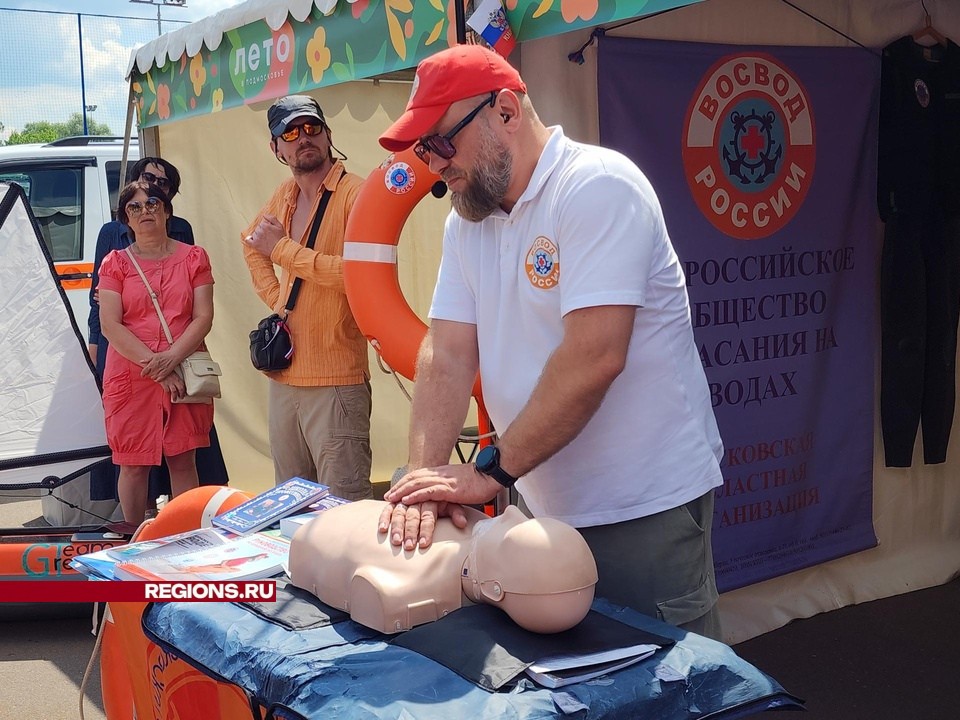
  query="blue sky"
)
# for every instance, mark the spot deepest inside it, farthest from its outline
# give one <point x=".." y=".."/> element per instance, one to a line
<point x="39" y="55"/>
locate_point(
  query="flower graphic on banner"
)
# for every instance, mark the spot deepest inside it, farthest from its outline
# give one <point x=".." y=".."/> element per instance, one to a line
<point x="163" y="101"/>
<point x="542" y="8"/>
<point x="198" y="74"/>
<point x="217" y="100"/>
<point x="393" y="24"/>
<point x="438" y="28"/>
<point x="358" y="7"/>
<point x="318" y="54"/>
<point x="153" y="89"/>
<point x="573" y="9"/>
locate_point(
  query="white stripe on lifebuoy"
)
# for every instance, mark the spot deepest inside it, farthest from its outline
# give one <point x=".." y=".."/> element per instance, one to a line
<point x="213" y="505"/>
<point x="370" y="252"/>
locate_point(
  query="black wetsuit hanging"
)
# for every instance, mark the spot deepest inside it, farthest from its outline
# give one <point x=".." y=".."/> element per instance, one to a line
<point x="919" y="200"/>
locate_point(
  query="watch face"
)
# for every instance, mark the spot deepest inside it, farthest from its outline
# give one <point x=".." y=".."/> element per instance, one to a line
<point x="487" y="458"/>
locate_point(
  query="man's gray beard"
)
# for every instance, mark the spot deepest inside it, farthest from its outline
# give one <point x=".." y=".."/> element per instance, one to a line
<point x="488" y="181"/>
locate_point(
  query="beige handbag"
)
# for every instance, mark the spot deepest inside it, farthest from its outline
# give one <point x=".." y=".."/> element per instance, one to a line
<point x="199" y="372"/>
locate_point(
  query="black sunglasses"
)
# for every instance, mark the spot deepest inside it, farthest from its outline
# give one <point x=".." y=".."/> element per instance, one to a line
<point x="161" y="182"/>
<point x="440" y="144"/>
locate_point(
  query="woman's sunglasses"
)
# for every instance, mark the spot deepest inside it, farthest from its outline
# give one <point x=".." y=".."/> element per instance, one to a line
<point x="440" y="145"/>
<point x="161" y="182"/>
<point x="136" y="208"/>
<point x="293" y="133"/>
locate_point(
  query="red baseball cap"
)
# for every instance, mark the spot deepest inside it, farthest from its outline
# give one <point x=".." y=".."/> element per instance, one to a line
<point x="456" y="73"/>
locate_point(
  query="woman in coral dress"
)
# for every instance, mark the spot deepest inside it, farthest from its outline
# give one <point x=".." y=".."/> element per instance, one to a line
<point x="140" y="388"/>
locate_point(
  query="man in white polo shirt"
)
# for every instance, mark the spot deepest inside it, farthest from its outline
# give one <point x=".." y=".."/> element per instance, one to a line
<point x="560" y="284"/>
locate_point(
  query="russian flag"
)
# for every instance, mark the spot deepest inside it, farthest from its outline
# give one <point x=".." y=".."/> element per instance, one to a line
<point x="490" y="22"/>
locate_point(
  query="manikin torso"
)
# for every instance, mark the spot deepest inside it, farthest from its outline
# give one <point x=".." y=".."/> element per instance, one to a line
<point x="540" y="572"/>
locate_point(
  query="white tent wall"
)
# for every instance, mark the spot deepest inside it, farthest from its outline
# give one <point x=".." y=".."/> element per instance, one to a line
<point x="916" y="510"/>
<point x="228" y="174"/>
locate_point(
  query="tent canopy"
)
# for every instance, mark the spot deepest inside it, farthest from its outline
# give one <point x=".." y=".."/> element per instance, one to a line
<point x="263" y="49"/>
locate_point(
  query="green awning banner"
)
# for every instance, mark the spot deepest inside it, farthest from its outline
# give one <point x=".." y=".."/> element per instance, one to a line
<point x="356" y="40"/>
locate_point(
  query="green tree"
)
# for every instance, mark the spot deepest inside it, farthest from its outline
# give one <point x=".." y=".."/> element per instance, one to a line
<point x="44" y="132"/>
<point x="35" y="132"/>
<point x="74" y="126"/>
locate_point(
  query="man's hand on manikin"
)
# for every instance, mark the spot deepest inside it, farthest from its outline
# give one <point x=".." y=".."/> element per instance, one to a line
<point x="423" y="496"/>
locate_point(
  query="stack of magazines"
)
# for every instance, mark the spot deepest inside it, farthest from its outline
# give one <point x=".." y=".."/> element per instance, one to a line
<point x="248" y="557"/>
<point x="238" y="546"/>
<point x="102" y="565"/>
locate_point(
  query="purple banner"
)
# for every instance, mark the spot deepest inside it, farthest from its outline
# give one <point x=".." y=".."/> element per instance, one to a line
<point x="764" y="160"/>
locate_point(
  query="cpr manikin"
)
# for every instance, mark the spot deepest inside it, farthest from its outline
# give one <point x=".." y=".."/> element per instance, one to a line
<point x="540" y="572"/>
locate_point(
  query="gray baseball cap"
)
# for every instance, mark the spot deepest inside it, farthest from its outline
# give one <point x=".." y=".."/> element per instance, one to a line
<point x="285" y="110"/>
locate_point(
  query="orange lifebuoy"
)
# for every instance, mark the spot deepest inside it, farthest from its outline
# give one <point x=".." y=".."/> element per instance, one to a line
<point x="386" y="199"/>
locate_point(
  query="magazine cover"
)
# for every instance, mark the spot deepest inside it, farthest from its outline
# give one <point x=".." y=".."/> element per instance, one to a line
<point x="250" y="557"/>
<point x="268" y="507"/>
<point x="171" y="545"/>
<point x="101" y="564"/>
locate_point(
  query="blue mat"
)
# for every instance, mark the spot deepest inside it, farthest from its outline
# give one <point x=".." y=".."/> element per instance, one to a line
<point x="347" y="670"/>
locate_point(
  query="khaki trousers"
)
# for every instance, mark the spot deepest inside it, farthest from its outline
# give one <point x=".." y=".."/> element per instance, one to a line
<point x="322" y="434"/>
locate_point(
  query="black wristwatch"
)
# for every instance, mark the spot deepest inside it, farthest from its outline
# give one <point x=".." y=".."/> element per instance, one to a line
<point x="488" y="462"/>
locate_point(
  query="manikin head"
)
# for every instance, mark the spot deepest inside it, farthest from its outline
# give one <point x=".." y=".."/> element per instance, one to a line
<point x="540" y="572"/>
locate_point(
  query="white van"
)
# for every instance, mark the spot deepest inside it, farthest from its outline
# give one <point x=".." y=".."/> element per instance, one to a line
<point x="72" y="185"/>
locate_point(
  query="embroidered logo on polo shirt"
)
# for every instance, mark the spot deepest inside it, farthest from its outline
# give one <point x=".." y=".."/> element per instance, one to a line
<point x="543" y="264"/>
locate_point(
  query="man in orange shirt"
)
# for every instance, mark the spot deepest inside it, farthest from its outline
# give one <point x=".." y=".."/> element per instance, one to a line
<point x="319" y="407"/>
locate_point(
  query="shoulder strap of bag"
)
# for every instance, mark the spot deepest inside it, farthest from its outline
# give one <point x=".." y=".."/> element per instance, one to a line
<point x="153" y="295"/>
<point x="311" y="240"/>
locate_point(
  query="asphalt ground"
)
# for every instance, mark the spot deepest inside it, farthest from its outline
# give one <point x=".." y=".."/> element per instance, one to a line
<point x="890" y="659"/>
<point x="43" y="654"/>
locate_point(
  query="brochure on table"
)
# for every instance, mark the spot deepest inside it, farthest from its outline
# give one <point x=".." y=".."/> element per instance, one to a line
<point x="270" y="506"/>
<point x="560" y="670"/>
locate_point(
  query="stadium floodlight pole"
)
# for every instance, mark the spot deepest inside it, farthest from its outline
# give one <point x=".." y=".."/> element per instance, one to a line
<point x="159" y="4"/>
<point x="83" y="80"/>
